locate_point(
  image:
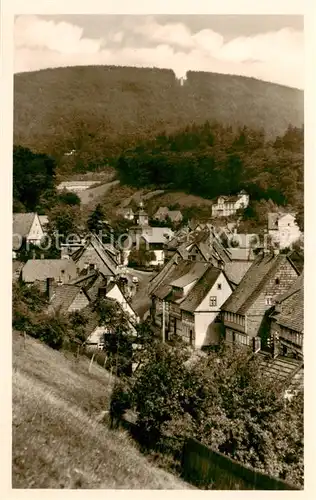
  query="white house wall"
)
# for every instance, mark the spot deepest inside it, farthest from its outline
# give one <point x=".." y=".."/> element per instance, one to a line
<point x="116" y="294"/>
<point x="206" y="331"/>
<point x="36" y="233"/>
<point x="287" y="233"/>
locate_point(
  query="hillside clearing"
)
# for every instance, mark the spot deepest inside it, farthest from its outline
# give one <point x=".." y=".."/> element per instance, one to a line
<point x="58" y="441"/>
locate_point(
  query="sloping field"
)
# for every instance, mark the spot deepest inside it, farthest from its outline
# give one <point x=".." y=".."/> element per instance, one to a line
<point x="58" y="438"/>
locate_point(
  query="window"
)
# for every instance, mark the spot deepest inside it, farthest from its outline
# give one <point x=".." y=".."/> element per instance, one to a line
<point x="213" y="301"/>
<point x="277" y="281"/>
<point x="219" y="286"/>
<point x="269" y="301"/>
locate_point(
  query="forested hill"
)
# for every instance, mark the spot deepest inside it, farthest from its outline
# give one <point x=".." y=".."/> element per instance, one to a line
<point x="100" y="109"/>
<point x="211" y="159"/>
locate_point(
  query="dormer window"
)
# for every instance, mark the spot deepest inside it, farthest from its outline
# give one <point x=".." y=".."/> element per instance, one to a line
<point x="269" y="301"/>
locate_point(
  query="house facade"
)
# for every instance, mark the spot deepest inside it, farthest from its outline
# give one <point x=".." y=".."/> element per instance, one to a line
<point x="244" y="313"/>
<point x="174" y="215"/>
<point x="26" y="228"/>
<point x="228" y="205"/>
<point x="95" y="255"/>
<point x="154" y="240"/>
<point x="283" y="229"/>
<point x="187" y="303"/>
<point x="287" y="322"/>
<point x="67" y="299"/>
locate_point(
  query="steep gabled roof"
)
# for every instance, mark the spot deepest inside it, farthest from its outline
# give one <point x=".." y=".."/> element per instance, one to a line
<point x="163" y="273"/>
<point x="22" y="224"/>
<point x="104" y="253"/>
<point x="289" y="372"/>
<point x="236" y="270"/>
<point x="63" y="297"/>
<point x="200" y="289"/>
<point x="161" y="211"/>
<point x="291" y="307"/>
<point x="192" y="272"/>
<point x="255" y="278"/>
<point x="173" y="271"/>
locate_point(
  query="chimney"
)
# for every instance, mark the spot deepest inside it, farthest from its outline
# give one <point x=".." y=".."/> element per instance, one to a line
<point x="49" y="288"/>
<point x="256" y="344"/>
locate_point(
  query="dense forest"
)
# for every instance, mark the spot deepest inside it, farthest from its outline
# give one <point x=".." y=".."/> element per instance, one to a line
<point x="211" y="160"/>
<point x="100" y="110"/>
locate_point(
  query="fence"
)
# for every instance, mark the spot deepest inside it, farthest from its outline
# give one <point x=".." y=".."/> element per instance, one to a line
<point x="207" y="468"/>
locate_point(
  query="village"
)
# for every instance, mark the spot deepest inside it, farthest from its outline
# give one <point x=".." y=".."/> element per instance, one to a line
<point x="203" y="282"/>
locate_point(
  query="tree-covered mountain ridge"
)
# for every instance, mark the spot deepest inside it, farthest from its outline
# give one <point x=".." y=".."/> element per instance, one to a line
<point x="211" y="160"/>
<point x="103" y="109"/>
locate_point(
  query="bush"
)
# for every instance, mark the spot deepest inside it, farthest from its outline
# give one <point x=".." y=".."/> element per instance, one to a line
<point x="52" y="330"/>
<point x="69" y="198"/>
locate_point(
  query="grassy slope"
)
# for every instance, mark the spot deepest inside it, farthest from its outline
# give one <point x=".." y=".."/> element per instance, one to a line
<point x="53" y="106"/>
<point x="58" y="441"/>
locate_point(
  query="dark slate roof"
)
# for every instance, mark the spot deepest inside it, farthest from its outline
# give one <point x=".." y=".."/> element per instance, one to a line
<point x="22" y="223"/>
<point x="103" y="252"/>
<point x="282" y="369"/>
<point x="191" y="272"/>
<point x="63" y="296"/>
<point x="291" y="306"/>
<point x="200" y="289"/>
<point x="92" y="318"/>
<point x="236" y="270"/>
<point x="163" y="274"/>
<point x="262" y="268"/>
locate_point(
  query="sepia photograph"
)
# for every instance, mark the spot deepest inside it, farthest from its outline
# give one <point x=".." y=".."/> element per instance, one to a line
<point x="158" y="252"/>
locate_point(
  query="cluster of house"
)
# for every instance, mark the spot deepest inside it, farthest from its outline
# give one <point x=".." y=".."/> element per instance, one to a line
<point x="85" y="272"/>
<point x="203" y="290"/>
<point x="206" y="293"/>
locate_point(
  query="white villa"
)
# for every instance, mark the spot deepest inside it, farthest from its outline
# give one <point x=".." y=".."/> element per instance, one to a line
<point x="228" y="205"/>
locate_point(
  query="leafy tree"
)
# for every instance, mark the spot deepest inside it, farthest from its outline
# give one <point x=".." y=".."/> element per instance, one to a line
<point x="96" y="219"/>
<point x="33" y="173"/>
<point x="141" y="257"/>
<point x="27" y="303"/>
<point x="63" y="221"/>
<point x="118" y="337"/>
<point x="69" y="198"/>
<point x="223" y="400"/>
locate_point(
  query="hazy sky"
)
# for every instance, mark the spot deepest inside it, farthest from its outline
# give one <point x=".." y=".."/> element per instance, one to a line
<point x="270" y="48"/>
